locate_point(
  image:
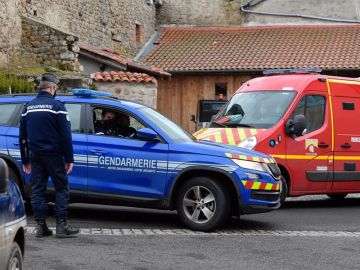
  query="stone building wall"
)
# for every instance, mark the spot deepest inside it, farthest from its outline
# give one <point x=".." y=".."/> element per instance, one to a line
<point x="49" y="46"/>
<point x="104" y="23"/>
<point x="10" y="25"/>
<point x="145" y="93"/>
<point x="226" y="12"/>
<point x="200" y="12"/>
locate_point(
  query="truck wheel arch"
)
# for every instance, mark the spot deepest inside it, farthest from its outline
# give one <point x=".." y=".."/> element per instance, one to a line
<point x="286" y="175"/>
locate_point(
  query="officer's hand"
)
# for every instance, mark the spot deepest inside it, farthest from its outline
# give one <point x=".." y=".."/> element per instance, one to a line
<point x="69" y="167"/>
<point x="27" y="168"/>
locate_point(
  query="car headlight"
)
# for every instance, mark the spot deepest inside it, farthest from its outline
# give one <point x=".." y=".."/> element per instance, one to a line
<point x="248" y="143"/>
<point x="251" y="165"/>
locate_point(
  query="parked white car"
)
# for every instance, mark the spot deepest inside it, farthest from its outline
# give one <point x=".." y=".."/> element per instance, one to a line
<point x="12" y="222"/>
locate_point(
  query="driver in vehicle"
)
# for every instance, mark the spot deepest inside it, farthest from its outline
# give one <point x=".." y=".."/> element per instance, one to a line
<point x="123" y="127"/>
<point x="107" y="124"/>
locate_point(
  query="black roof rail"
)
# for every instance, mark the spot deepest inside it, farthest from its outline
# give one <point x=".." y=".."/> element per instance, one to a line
<point x="292" y="71"/>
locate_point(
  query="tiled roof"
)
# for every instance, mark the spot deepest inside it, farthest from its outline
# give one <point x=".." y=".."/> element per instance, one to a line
<point x="128" y="63"/>
<point x="121" y="76"/>
<point x="256" y="48"/>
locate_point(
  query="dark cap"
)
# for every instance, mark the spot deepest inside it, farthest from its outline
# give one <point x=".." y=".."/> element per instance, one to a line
<point x="49" y="77"/>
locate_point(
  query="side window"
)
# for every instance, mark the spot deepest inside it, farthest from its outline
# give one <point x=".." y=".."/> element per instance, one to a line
<point x="313" y="108"/>
<point x="8" y="113"/>
<point x="115" y="123"/>
<point x="74" y="112"/>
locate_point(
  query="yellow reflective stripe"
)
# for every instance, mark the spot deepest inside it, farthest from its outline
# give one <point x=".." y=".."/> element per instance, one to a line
<point x="230" y="136"/>
<point x="256" y="185"/>
<point x="253" y="131"/>
<point x="256" y="159"/>
<point x="243" y="157"/>
<point x="347" y="157"/>
<point x="268" y="186"/>
<point x="277" y="187"/>
<point x="228" y="155"/>
<point x="344" y="81"/>
<point x="218" y="137"/>
<point x="305" y="157"/>
<point x="278" y="156"/>
<point x="331" y="115"/>
<point x="197" y="133"/>
<point x="244" y="182"/>
<point x="242" y="134"/>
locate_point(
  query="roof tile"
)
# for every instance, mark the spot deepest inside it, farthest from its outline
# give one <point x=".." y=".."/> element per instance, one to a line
<point x="128" y="63"/>
<point x="260" y="47"/>
<point x="115" y="76"/>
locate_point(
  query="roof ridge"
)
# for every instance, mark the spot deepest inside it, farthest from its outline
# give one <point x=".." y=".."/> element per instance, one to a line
<point x="236" y="28"/>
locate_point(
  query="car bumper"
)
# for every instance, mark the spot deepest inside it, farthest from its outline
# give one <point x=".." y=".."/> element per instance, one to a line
<point x="258" y="208"/>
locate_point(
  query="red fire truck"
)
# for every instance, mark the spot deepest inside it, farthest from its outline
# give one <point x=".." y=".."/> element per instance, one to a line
<point x="310" y="123"/>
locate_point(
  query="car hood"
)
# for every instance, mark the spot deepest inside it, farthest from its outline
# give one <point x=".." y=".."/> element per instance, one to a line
<point x="224" y="150"/>
<point x="230" y="136"/>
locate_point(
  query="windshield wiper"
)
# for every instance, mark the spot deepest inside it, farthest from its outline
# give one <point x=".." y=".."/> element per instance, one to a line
<point x="239" y="125"/>
<point x="220" y="125"/>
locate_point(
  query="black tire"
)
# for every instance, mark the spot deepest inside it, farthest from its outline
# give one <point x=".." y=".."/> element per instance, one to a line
<point x="284" y="190"/>
<point x="207" y="216"/>
<point x="337" y="196"/>
<point x="15" y="259"/>
<point x="13" y="177"/>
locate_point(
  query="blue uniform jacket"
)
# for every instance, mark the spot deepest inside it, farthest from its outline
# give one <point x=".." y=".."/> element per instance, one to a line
<point x="45" y="128"/>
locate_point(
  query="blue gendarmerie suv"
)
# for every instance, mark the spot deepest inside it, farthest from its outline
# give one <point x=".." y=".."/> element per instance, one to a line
<point x="12" y="222"/>
<point x="129" y="154"/>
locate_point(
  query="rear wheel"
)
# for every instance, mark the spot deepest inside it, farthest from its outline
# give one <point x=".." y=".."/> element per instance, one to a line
<point x="337" y="196"/>
<point x="15" y="260"/>
<point x="14" y="177"/>
<point x="203" y="204"/>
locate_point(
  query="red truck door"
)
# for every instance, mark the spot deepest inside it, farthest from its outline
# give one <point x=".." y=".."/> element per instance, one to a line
<point x="309" y="156"/>
<point x="346" y="108"/>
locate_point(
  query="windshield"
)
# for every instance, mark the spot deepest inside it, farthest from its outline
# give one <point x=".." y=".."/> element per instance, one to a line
<point x="260" y="109"/>
<point x="176" y="133"/>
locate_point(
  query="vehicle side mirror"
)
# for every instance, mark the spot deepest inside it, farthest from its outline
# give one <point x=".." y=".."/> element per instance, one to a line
<point x="296" y="126"/>
<point x="147" y="134"/>
<point x="4" y="175"/>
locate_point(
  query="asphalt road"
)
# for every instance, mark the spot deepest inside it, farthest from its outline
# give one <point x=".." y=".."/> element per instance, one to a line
<point x="307" y="233"/>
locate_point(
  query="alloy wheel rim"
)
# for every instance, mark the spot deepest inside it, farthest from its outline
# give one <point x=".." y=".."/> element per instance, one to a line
<point x="199" y="204"/>
<point x="15" y="264"/>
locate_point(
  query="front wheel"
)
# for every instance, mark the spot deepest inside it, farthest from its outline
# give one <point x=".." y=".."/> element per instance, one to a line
<point x="15" y="260"/>
<point x="337" y="196"/>
<point x="203" y="204"/>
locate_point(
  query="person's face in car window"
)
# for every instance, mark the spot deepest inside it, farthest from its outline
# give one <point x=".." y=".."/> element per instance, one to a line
<point x="107" y="115"/>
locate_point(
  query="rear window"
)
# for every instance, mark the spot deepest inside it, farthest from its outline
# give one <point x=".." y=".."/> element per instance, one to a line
<point x="8" y="114"/>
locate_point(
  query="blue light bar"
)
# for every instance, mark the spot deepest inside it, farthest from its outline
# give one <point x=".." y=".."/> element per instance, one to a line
<point x="90" y="93"/>
<point x="291" y="71"/>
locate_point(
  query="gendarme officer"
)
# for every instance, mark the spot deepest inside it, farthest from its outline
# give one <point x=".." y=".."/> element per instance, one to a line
<point x="46" y="150"/>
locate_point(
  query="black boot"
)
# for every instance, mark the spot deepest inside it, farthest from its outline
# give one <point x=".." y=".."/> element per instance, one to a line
<point x="42" y="229"/>
<point x="63" y="230"/>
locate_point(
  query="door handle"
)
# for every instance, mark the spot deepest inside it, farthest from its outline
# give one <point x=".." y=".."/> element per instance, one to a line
<point x="16" y="143"/>
<point x="97" y="152"/>
<point x="345" y="145"/>
<point x="323" y="145"/>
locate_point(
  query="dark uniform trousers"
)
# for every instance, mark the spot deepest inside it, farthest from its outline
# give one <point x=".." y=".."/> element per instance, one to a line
<point x="43" y="166"/>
